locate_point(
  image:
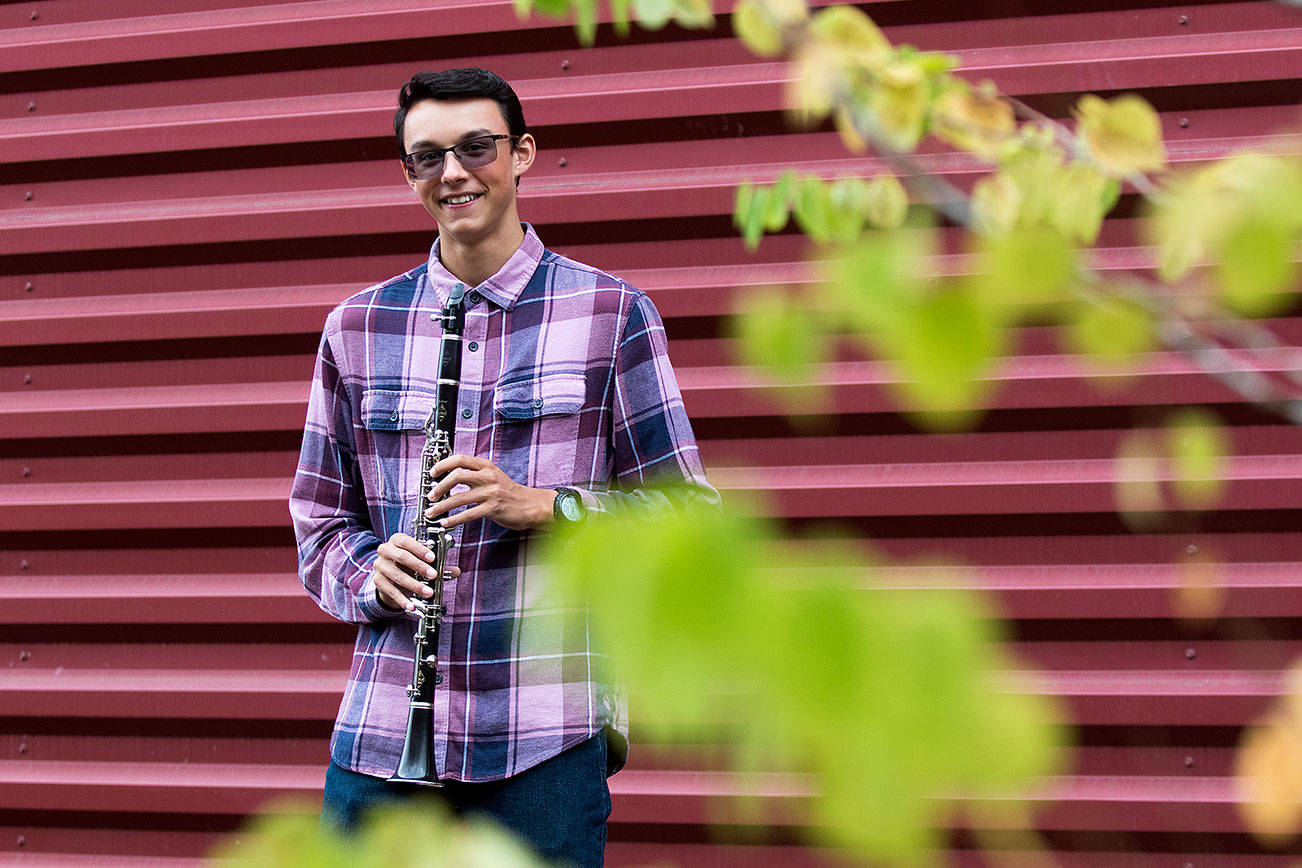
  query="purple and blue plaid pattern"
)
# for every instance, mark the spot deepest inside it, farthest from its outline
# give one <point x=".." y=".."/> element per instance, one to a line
<point x="565" y="381"/>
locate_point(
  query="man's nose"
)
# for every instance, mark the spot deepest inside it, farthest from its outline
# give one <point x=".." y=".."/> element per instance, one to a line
<point x="452" y="168"/>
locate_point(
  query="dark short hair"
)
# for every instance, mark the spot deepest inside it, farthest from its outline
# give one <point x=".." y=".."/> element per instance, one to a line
<point x="454" y="84"/>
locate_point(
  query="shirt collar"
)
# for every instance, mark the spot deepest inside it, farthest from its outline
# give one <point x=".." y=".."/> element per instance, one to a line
<point x="504" y="287"/>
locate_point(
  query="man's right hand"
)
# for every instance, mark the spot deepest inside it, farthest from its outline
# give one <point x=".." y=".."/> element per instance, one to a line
<point x="400" y="558"/>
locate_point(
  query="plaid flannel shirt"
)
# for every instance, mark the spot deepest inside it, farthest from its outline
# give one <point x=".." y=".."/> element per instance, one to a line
<point x="565" y="381"/>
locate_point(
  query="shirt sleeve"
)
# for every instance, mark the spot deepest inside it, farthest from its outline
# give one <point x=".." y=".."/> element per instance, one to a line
<point x="336" y="543"/>
<point x="657" y="463"/>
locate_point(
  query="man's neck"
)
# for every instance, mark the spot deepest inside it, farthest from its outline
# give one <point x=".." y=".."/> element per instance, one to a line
<point x="472" y="264"/>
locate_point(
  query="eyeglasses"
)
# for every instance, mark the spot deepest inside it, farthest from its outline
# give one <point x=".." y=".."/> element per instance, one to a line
<point x="471" y="154"/>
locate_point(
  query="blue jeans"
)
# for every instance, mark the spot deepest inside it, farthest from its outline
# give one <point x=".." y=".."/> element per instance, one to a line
<point x="559" y="806"/>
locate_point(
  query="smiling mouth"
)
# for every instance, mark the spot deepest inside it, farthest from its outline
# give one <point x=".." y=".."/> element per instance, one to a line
<point x="463" y="199"/>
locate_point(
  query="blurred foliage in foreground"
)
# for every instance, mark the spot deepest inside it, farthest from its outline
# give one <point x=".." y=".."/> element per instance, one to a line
<point x="787" y="653"/>
<point x="1221" y="242"/>
<point x="418" y="834"/>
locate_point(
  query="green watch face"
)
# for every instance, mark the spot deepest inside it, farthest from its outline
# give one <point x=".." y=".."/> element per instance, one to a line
<point x="569" y="505"/>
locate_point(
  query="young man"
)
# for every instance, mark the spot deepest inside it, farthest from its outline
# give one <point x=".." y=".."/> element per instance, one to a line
<point x="568" y="405"/>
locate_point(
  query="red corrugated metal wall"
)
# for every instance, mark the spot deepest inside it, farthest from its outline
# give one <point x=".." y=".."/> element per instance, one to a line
<point x="189" y="185"/>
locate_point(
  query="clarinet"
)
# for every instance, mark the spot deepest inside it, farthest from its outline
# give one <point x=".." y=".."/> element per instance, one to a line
<point x="417" y="763"/>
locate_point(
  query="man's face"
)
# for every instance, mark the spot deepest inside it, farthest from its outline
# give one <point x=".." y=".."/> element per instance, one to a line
<point x="471" y="206"/>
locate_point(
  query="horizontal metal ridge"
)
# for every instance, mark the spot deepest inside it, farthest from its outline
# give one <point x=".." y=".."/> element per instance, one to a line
<point x="709" y="391"/>
<point x="679" y="291"/>
<point x="339" y="22"/>
<point x="936" y="488"/>
<point x="170" y="315"/>
<point x="663" y="194"/>
<point x="1103" y="697"/>
<point x="249" y="28"/>
<point x="661" y="93"/>
<point x="1073" y="591"/>
<point x="146" y="693"/>
<point x="1174" y="803"/>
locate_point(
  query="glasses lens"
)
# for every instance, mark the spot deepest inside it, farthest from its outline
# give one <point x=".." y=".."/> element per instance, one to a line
<point x="425" y="164"/>
<point x="475" y="153"/>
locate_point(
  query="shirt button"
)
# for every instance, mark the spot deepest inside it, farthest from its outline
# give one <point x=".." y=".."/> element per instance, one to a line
<point x="393" y="417"/>
<point x="475" y="298"/>
<point x="465" y="414"/>
<point x="537" y="403"/>
<point x="474" y="345"/>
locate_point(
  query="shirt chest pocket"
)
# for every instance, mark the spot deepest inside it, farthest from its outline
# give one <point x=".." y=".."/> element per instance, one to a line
<point x="395" y="422"/>
<point x="539" y="432"/>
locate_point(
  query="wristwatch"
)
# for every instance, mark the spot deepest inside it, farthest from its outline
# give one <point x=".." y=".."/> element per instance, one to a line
<point x="568" y="507"/>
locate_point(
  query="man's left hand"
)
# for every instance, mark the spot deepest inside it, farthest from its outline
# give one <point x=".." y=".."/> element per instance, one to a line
<point x="491" y="494"/>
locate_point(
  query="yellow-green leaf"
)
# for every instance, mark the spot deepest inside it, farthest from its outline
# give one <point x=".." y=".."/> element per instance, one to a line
<point x="1124" y="135"/>
<point x="585" y="20"/>
<point x="1028" y="268"/>
<point x="996" y="204"/>
<point x="1112" y="331"/>
<point x="756" y="28"/>
<point x="693" y="14"/>
<point x="945" y="348"/>
<point x="778" y="337"/>
<point x="900" y="101"/>
<point x="847" y="29"/>
<point x="1256" y="274"/>
<point x="1077" y="205"/>
<point x="813" y="209"/>
<point x="888" y="203"/>
<point x="873" y="283"/>
<point x="816" y="76"/>
<point x="1199" y="447"/>
<point x="977" y="120"/>
<point x="752" y="206"/>
<point x="849" y="200"/>
<point x="653" y="14"/>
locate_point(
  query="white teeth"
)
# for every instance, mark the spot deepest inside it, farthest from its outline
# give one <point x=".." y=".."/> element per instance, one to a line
<point x="460" y="200"/>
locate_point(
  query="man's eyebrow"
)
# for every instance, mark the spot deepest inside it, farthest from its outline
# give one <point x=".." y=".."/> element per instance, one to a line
<point x="426" y="144"/>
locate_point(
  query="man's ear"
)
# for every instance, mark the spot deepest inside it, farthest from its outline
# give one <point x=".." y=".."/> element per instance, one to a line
<point x="523" y="155"/>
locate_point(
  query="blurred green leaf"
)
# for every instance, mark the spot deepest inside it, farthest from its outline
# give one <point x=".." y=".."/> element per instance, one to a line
<point x="848" y="198"/>
<point x="1032" y="163"/>
<point x="887" y="202"/>
<point x="1077" y="201"/>
<point x="756" y="29"/>
<point x="946" y="347"/>
<point x="653" y="14"/>
<point x="873" y="283"/>
<point x="1112" y="331"/>
<point x="1027" y="268"/>
<point x="783" y="340"/>
<point x="813" y="207"/>
<point x="1199" y="447"/>
<point x="779" y="204"/>
<point x="585" y="20"/>
<point x="900" y="101"/>
<point x="996" y="204"/>
<point x="847" y="30"/>
<point x="751" y="207"/>
<point x="620" y="13"/>
<point x="1257" y="274"/>
<point x="1124" y="134"/>
<point x="885" y="696"/>
<point x="554" y="8"/>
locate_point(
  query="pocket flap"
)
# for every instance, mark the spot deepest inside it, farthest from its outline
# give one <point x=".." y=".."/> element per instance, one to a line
<point x="552" y="395"/>
<point x="395" y="410"/>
